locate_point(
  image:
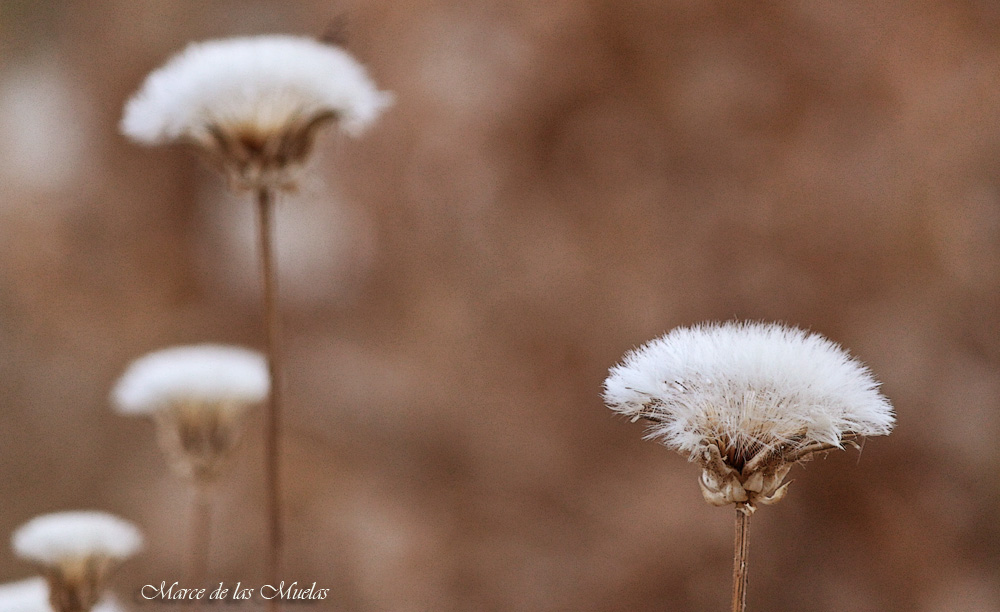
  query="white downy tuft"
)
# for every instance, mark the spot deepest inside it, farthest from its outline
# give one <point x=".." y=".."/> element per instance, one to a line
<point x="750" y="385"/>
<point x="199" y="374"/>
<point x="61" y="537"/>
<point x="260" y="84"/>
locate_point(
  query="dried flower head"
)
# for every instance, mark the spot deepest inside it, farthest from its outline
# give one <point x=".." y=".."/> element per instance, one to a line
<point x="77" y="551"/>
<point x="199" y="396"/>
<point x="254" y="104"/>
<point x="746" y="401"/>
<point x="32" y="595"/>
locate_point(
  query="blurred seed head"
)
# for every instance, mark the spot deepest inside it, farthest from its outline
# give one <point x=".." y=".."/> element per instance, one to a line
<point x="199" y="396"/>
<point x="32" y="595"/>
<point x="77" y="552"/>
<point x="254" y="105"/>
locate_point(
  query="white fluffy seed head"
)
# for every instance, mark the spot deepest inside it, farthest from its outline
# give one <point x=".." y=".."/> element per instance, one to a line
<point x="205" y="374"/>
<point x="747" y="387"/>
<point x="61" y="537"/>
<point x="262" y="83"/>
<point x="32" y="595"/>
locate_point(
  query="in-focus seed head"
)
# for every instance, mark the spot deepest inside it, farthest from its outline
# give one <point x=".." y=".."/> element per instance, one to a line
<point x="254" y="104"/>
<point x="745" y="400"/>
<point x="198" y="396"/>
<point x="77" y="551"/>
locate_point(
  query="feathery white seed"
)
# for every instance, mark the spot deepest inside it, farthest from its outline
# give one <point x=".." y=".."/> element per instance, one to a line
<point x="199" y="374"/>
<point x="262" y="83"/>
<point x="747" y="386"/>
<point x="52" y="539"/>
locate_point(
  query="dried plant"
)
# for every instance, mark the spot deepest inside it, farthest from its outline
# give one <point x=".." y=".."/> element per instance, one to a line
<point x="254" y="107"/>
<point x="199" y="396"/>
<point x="32" y="595"/>
<point x="746" y="401"/>
<point x="77" y="552"/>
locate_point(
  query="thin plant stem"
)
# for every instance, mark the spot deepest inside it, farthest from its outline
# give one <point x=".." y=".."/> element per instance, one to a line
<point x="201" y="536"/>
<point x="740" y="550"/>
<point x="265" y="210"/>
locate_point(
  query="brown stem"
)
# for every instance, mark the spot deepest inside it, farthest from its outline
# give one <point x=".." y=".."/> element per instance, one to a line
<point x="740" y="550"/>
<point x="265" y="209"/>
<point x="201" y="535"/>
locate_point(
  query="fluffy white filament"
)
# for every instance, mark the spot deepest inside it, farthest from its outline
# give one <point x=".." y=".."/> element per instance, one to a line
<point x="747" y="387"/>
<point x="53" y="539"/>
<point x="260" y="84"/>
<point x="200" y="374"/>
<point x="32" y="595"/>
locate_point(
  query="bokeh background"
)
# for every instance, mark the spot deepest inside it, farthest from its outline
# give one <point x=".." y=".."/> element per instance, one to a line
<point x="557" y="183"/>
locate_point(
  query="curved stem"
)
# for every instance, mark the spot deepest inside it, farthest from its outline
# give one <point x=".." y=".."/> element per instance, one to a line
<point x="740" y="550"/>
<point x="265" y="209"/>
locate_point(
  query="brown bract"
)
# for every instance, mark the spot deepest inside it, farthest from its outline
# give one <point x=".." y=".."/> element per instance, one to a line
<point x="732" y="477"/>
<point x="76" y="584"/>
<point x="255" y="156"/>
<point x="199" y="438"/>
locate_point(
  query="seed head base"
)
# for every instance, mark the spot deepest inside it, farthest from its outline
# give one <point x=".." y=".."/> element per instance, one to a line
<point x="199" y="439"/>
<point x="75" y="585"/>
<point x="252" y="158"/>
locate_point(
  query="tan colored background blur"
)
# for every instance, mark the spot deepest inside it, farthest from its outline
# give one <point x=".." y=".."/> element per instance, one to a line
<point x="557" y="183"/>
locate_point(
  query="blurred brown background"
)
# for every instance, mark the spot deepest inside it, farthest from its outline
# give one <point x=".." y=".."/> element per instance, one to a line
<point x="557" y="183"/>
